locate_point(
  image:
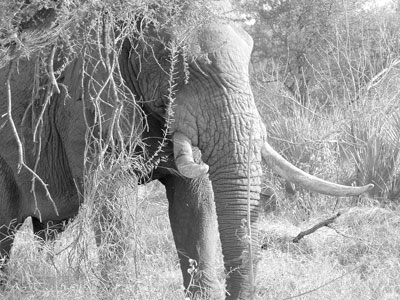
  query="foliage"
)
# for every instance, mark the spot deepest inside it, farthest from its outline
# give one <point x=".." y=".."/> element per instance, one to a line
<point x="288" y="34"/>
<point x="55" y="33"/>
<point x="372" y="142"/>
<point x="58" y="32"/>
<point x="26" y="26"/>
<point x="347" y="130"/>
<point x="360" y="54"/>
<point x="292" y="37"/>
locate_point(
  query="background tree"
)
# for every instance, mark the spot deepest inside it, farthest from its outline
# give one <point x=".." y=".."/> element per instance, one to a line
<point x="326" y="76"/>
<point x="291" y="37"/>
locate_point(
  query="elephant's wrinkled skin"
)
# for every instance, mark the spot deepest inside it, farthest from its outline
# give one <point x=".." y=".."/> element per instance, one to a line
<point x="214" y="111"/>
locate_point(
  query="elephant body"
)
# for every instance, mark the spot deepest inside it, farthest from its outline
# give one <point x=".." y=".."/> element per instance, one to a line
<point x="58" y="165"/>
<point x="214" y="110"/>
<point x="61" y="166"/>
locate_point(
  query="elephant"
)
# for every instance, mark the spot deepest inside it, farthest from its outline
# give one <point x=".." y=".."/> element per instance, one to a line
<point x="213" y="193"/>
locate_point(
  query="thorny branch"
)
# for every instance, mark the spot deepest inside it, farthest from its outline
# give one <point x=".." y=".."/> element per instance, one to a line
<point x="169" y="111"/>
<point x="100" y="76"/>
<point x="21" y="160"/>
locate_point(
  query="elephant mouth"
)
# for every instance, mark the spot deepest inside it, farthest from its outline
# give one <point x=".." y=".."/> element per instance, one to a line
<point x="188" y="168"/>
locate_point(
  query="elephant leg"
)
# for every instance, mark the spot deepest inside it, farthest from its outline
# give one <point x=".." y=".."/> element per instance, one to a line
<point x="194" y="226"/>
<point x="113" y="224"/>
<point x="7" y="235"/>
<point x="47" y="231"/>
<point x="9" y="207"/>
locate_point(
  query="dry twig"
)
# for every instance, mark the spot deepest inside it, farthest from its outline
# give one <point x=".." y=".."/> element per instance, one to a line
<point x="315" y="228"/>
<point x="21" y="160"/>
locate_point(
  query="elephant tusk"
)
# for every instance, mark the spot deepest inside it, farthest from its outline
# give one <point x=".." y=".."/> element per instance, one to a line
<point x="310" y="182"/>
<point x="184" y="157"/>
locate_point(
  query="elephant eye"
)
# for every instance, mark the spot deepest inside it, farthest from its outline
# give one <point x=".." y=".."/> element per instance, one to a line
<point x="161" y="108"/>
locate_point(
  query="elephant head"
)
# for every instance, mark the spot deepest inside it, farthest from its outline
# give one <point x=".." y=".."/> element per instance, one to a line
<point x="208" y="89"/>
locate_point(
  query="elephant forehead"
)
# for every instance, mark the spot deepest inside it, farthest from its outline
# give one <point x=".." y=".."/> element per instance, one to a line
<point x="216" y="37"/>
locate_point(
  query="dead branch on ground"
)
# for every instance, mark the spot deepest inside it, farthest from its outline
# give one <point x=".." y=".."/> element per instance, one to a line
<point x="315" y="228"/>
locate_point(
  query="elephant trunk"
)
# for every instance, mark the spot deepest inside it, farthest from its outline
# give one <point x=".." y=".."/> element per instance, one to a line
<point x="239" y="242"/>
<point x="236" y="186"/>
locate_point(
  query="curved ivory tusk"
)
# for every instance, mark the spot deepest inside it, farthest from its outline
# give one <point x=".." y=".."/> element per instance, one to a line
<point x="184" y="157"/>
<point x="310" y="182"/>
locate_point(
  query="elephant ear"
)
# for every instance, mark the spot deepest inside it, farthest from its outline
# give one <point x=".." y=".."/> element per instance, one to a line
<point x="146" y="67"/>
<point x="166" y="41"/>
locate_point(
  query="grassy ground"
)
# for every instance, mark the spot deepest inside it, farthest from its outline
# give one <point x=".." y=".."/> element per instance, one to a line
<point x="358" y="258"/>
<point x="69" y="271"/>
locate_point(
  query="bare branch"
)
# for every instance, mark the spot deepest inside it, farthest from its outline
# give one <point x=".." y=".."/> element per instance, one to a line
<point x="21" y="160"/>
<point x="53" y="81"/>
<point x="10" y="118"/>
<point x="315" y="228"/>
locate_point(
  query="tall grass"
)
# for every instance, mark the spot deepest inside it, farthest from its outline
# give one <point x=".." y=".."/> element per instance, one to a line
<point x="70" y="268"/>
<point x="306" y="137"/>
<point x="349" y="130"/>
<point x="357" y="259"/>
